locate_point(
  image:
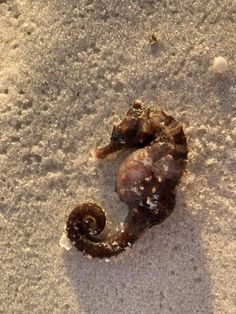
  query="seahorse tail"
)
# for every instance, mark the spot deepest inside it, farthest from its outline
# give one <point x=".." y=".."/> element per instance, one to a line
<point x="86" y="221"/>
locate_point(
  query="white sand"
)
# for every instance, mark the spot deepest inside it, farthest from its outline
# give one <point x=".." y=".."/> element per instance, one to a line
<point x="67" y="69"/>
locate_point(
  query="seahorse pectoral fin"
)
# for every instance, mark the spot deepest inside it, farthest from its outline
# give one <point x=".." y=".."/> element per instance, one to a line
<point x="160" y="150"/>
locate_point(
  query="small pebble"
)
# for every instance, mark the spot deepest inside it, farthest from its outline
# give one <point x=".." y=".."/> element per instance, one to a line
<point x="65" y="242"/>
<point x="220" y="65"/>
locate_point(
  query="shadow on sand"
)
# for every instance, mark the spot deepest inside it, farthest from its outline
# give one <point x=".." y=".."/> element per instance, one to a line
<point x="164" y="272"/>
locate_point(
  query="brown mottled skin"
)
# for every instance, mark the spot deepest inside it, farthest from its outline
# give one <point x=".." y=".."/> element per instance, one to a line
<point x="146" y="181"/>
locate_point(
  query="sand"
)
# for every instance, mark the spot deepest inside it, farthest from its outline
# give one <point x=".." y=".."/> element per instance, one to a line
<point x="68" y="70"/>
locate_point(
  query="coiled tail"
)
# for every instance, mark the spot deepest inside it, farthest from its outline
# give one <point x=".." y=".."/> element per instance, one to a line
<point x="86" y="222"/>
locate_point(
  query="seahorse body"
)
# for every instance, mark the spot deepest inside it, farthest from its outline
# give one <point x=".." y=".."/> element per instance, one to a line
<point x="146" y="181"/>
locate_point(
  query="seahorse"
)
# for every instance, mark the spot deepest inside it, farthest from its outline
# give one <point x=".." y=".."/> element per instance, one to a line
<point x="146" y="181"/>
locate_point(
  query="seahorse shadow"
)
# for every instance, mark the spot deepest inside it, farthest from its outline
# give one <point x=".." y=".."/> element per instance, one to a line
<point x="164" y="272"/>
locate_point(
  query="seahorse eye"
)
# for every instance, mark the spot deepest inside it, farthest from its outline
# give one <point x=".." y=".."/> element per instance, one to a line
<point x="116" y="135"/>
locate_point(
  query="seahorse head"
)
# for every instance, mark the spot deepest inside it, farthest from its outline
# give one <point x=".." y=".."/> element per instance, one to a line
<point x="135" y="129"/>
